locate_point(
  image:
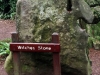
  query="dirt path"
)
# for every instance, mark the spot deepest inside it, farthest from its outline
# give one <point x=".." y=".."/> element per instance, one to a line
<point x="2" y="70"/>
<point x="8" y="26"/>
<point x="95" y="58"/>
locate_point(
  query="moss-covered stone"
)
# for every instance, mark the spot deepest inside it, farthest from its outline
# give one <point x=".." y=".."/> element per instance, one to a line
<point x="36" y="20"/>
<point x="8" y="64"/>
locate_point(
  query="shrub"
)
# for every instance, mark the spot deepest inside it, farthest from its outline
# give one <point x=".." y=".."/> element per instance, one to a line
<point x="7" y="9"/>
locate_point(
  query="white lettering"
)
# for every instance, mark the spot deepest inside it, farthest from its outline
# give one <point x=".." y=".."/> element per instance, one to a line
<point x="23" y="47"/>
<point x="44" y="48"/>
<point x="39" y="47"/>
<point x="26" y="47"/>
<point x="19" y="47"/>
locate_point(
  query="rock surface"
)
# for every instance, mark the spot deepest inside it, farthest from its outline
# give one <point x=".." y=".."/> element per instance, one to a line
<point x="36" y="20"/>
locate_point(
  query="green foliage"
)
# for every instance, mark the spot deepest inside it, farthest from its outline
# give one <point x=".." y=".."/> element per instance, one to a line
<point x="94" y="32"/>
<point x="13" y="8"/>
<point x="6" y="40"/>
<point x="92" y="2"/>
<point x="4" y="48"/>
<point x="7" y="9"/>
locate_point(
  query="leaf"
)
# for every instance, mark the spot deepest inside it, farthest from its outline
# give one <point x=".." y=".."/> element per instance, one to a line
<point x="4" y="48"/>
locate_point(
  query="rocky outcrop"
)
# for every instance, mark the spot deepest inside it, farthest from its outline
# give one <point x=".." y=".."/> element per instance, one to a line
<point x="36" y="20"/>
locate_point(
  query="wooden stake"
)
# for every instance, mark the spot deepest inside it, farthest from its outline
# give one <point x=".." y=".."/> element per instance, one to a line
<point x="56" y="56"/>
<point x="16" y="55"/>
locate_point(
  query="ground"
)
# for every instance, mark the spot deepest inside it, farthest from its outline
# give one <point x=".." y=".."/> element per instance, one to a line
<point x="8" y="26"/>
<point x="95" y="58"/>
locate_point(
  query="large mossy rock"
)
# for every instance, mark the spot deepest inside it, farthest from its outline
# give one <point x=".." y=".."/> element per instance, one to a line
<point x="36" y="20"/>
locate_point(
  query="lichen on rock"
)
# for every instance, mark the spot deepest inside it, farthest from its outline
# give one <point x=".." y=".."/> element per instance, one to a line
<point x="36" y="20"/>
